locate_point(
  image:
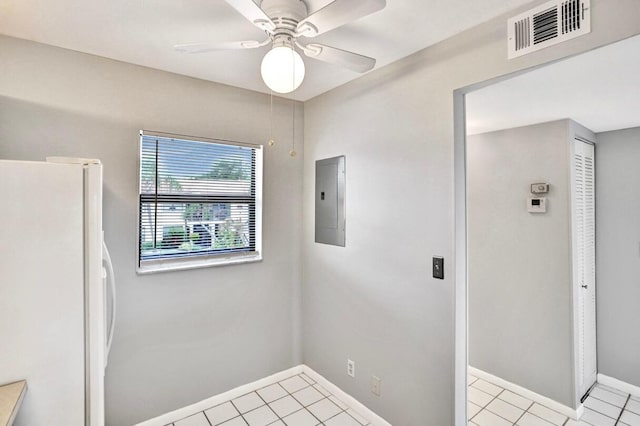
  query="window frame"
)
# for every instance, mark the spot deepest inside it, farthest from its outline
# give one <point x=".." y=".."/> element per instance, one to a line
<point x="221" y="258"/>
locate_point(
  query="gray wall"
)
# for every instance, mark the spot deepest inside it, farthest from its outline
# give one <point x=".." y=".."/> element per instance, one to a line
<point x="374" y="300"/>
<point x="618" y="254"/>
<point x="520" y="299"/>
<point x="180" y="336"/>
<point x="184" y="336"/>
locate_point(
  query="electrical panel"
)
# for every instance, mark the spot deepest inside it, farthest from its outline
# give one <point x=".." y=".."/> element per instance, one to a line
<point x="329" y="201"/>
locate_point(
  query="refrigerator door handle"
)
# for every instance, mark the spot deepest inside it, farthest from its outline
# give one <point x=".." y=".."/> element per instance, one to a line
<point x="112" y="286"/>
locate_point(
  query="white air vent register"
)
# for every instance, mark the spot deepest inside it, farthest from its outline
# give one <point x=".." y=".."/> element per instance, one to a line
<point x="548" y="24"/>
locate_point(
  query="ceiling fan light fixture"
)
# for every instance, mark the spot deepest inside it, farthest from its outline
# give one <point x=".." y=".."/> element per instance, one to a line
<point x="282" y="69"/>
<point x="284" y="21"/>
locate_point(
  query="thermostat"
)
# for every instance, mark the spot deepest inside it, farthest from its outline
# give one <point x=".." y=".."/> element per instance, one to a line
<point x="537" y="205"/>
<point x="539" y="188"/>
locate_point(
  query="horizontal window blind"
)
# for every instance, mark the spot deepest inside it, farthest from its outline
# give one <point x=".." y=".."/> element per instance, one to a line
<point x="197" y="198"/>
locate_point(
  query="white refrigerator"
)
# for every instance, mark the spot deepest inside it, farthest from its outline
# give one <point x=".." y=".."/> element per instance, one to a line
<point x="54" y="289"/>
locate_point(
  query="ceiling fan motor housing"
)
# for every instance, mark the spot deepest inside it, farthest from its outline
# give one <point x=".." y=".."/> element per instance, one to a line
<point x="285" y="14"/>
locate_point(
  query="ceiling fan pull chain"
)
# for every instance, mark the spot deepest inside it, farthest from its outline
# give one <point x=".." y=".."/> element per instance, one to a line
<point x="272" y="141"/>
<point x="293" y="131"/>
<point x="293" y="116"/>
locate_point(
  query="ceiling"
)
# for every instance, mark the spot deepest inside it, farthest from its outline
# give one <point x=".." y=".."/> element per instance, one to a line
<point x="598" y="89"/>
<point x="143" y="32"/>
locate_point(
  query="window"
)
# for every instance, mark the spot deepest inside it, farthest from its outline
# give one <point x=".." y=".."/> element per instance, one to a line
<point x="200" y="202"/>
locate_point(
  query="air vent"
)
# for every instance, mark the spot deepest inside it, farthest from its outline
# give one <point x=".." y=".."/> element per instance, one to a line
<point x="548" y="24"/>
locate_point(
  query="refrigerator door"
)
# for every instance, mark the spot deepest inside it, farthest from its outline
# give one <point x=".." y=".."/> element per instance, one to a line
<point x="94" y="318"/>
<point x="42" y="292"/>
<point x="94" y="293"/>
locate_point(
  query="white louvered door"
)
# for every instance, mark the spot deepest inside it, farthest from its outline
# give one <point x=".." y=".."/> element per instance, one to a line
<point x="584" y="260"/>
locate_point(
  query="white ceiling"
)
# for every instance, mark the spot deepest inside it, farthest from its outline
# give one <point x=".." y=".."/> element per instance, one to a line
<point x="143" y="32"/>
<point x="599" y="89"/>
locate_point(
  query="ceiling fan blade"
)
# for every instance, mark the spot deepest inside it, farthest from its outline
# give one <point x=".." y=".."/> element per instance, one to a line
<point x="225" y="45"/>
<point x="253" y="13"/>
<point x="332" y="55"/>
<point x="337" y="13"/>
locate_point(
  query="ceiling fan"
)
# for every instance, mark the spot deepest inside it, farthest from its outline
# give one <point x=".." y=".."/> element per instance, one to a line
<point x="285" y="23"/>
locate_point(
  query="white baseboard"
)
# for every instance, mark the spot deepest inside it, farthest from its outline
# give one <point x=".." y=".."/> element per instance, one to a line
<point x="360" y="408"/>
<point x="181" y="413"/>
<point x="619" y="384"/>
<point x="579" y="412"/>
<point x="535" y="397"/>
<point x="187" y="411"/>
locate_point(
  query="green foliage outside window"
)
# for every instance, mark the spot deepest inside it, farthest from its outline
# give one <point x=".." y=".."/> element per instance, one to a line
<point x="227" y="170"/>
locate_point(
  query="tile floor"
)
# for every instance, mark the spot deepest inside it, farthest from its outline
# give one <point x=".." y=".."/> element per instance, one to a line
<point x="491" y="405"/>
<point x="296" y="401"/>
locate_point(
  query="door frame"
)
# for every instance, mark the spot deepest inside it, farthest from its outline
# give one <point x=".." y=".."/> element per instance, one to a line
<point x="461" y="308"/>
<point x="461" y="311"/>
<point x="461" y="350"/>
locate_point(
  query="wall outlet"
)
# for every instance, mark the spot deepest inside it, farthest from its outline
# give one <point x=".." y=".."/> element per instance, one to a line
<point x="351" y="368"/>
<point x="375" y="385"/>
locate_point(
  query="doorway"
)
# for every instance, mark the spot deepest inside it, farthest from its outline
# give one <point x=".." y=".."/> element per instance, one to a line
<point x="581" y="235"/>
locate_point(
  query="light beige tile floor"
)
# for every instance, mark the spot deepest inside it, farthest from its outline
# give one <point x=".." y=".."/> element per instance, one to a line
<point x="299" y="401"/>
<point x="491" y="405"/>
<point x="295" y="401"/>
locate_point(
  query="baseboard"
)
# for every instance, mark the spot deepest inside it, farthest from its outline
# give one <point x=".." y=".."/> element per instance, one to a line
<point x="579" y="412"/>
<point x="535" y="397"/>
<point x="619" y="384"/>
<point x="360" y="408"/>
<point x="187" y="411"/>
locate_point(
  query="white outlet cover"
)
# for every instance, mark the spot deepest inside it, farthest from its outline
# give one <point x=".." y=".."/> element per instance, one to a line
<point x="376" y="384"/>
<point x="351" y="368"/>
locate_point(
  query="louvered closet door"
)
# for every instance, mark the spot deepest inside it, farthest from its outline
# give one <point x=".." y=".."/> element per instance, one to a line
<point x="584" y="260"/>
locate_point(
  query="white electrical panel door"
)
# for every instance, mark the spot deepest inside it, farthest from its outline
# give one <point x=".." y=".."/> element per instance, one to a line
<point x="584" y="282"/>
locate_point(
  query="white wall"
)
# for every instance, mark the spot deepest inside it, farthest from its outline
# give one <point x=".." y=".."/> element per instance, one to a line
<point x="374" y="300"/>
<point x="180" y="336"/>
<point x="618" y="254"/>
<point x="520" y="298"/>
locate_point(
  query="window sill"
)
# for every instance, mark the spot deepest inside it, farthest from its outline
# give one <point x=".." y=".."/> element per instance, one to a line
<point x="167" y="265"/>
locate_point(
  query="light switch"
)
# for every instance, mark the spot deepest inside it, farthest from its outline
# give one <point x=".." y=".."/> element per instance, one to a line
<point x="438" y="267"/>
